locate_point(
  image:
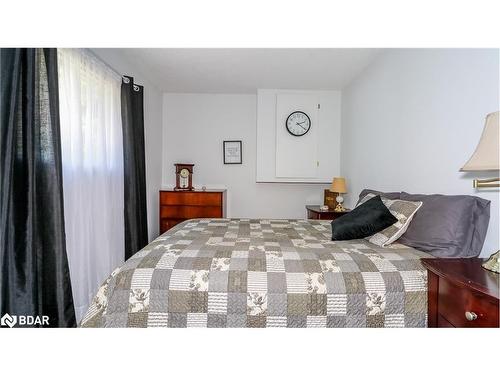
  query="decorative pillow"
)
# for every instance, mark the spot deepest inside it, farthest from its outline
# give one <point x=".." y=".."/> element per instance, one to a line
<point x="390" y="195"/>
<point x="448" y="226"/>
<point x="365" y="220"/>
<point x="402" y="210"/>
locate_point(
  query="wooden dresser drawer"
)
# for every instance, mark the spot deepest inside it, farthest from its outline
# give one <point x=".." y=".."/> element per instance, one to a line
<point x="178" y="206"/>
<point x="461" y="293"/>
<point x="443" y="323"/>
<point x="190" y="212"/>
<point x="455" y="301"/>
<point x="191" y="199"/>
<point x="166" y="224"/>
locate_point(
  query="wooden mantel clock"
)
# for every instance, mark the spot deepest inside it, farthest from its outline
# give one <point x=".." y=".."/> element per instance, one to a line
<point x="184" y="177"/>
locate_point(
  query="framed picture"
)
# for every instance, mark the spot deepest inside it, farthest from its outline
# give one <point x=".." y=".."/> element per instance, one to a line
<point x="232" y="152"/>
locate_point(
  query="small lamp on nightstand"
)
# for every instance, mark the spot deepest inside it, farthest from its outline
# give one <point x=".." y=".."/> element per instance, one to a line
<point x="339" y="187"/>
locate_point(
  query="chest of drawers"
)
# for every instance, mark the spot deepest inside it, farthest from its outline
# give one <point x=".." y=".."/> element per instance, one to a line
<point x="178" y="206"/>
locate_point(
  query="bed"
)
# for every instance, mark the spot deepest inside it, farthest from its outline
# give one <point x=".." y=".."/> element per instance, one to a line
<point x="263" y="273"/>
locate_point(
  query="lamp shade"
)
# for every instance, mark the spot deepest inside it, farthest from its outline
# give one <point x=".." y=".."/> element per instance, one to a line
<point x="486" y="157"/>
<point x="338" y="185"/>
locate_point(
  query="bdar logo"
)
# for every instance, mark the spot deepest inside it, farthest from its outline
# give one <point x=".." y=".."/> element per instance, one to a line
<point x="8" y="320"/>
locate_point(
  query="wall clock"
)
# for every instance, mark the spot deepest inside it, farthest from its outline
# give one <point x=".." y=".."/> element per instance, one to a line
<point x="298" y="123"/>
<point x="184" y="177"/>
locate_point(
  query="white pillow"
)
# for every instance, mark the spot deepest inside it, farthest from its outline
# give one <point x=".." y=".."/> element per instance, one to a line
<point x="402" y="210"/>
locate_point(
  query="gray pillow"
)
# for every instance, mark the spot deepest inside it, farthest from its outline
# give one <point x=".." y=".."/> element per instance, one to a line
<point x="392" y="195"/>
<point x="448" y="226"/>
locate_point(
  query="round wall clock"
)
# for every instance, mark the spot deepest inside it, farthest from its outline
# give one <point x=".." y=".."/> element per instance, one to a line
<point x="298" y="123"/>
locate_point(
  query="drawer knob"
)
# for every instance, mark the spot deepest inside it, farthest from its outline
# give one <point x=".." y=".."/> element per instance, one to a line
<point x="470" y="316"/>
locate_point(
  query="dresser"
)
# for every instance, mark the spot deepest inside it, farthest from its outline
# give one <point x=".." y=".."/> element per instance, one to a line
<point x="178" y="206"/>
<point x="461" y="293"/>
<point x="314" y="212"/>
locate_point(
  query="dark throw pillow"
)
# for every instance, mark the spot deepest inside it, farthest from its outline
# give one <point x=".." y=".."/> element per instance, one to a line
<point x="365" y="220"/>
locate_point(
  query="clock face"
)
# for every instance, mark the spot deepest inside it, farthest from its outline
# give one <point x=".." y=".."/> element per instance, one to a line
<point x="298" y="123"/>
<point x="184" y="173"/>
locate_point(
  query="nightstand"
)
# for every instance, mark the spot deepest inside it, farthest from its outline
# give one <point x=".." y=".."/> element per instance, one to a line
<point x="313" y="212"/>
<point x="461" y="293"/>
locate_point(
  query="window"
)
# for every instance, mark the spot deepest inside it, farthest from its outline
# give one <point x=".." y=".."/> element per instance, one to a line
<point x="92" y="153"/>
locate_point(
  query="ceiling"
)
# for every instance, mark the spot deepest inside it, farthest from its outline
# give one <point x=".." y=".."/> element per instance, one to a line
<point x="207" y="70"/>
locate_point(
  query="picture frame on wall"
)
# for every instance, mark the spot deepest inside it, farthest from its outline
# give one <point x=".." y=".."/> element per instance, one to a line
<point x="232" y="152"/>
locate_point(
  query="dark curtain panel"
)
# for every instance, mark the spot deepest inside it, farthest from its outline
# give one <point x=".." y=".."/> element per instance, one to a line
<point x="136" y="225"/>
<point x="35" y="276"/>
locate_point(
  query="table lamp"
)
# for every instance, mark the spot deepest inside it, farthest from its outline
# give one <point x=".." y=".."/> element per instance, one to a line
<point x="486" y="158"/>
<point x="339" y="187"/>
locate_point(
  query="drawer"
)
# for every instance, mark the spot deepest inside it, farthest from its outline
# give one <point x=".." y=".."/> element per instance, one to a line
<point x="190" y="212"/>
<point x="166" y="224"/>
<point x="454" y="301"/>
<point x="443" y="323"/>
<point x="191" y="198"/>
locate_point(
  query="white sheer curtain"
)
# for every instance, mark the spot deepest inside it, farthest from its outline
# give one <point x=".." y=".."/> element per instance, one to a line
<point x="91" y="139"/>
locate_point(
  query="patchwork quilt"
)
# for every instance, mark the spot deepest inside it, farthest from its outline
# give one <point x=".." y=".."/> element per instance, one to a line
<point x="263" y="273"/>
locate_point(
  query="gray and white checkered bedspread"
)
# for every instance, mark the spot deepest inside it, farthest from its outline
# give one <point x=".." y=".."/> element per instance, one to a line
<point x="263" y="273"/>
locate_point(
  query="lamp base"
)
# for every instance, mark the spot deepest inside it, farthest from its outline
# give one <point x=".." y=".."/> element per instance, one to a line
<point x="340" y="200"/>
<point x="339" y="208"/>
<point x="493" y="263"/>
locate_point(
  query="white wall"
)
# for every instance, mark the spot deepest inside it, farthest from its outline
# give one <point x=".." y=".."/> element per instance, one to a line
<point x="414" y="117"/>
<point x="194" y="126"/>
<point x="152" y="130"/>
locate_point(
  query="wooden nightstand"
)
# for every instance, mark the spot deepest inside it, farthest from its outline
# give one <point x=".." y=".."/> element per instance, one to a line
<point x="313" y="212"/>
<point x="461" y="293"/>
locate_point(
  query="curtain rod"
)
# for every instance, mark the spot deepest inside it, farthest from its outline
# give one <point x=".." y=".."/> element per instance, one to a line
<point x="104" y="62"/>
